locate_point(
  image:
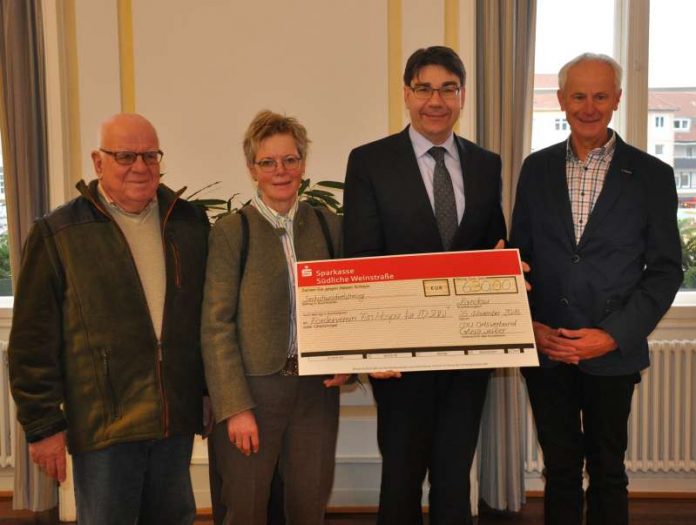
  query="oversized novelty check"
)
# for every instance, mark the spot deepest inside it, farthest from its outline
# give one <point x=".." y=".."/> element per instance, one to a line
<point x="434" y="311"/>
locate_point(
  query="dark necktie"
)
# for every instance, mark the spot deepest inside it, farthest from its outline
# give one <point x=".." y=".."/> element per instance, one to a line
<point x="445" y="205"/>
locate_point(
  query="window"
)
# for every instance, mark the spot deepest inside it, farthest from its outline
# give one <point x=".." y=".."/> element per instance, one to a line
<point x="5" y="274"/>
<point x="682" y="124"/>
<point x="556" y="43"/>
<point x="659" y="149"/>
<point x="670" y="83"/>
<point x="659" y="122"/>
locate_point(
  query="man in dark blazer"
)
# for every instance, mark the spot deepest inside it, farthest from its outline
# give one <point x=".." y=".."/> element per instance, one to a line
<point x="596" y="220"/>
<point x="427" y="422"/>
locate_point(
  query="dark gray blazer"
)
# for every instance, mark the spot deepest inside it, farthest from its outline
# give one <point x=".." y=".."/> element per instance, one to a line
<point x="626" y="269"/>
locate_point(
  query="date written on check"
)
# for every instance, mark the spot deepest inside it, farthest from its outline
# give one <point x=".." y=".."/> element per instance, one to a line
<point x="418" y="312"/>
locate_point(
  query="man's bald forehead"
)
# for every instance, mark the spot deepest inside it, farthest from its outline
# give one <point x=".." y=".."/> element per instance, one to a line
<point x="125" y="123"/>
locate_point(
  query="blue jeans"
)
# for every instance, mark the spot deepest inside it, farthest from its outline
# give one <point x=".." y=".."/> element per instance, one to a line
<point x="141" y="482"/>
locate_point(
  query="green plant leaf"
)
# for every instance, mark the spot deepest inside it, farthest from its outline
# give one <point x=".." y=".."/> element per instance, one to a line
<point x="212" y="184"/>
<point x="331" y="184"/>
<point x="316" y="192"/>
<point x="303" y="186"/>
<point x="307" y="192"/>
<point x="208" y="202"/>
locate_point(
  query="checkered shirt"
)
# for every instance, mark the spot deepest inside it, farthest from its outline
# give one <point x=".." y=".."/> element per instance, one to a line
<point x="585" y="181"/>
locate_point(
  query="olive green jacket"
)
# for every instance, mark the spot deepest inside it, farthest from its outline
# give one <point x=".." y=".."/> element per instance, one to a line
<point x="245" y="326"/>
<point x="83" y="352"/>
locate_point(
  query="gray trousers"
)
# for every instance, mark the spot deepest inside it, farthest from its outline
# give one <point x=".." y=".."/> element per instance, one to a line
<point x="298" y="424"/>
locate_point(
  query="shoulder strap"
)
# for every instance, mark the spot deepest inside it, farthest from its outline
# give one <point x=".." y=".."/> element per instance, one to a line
<point x="244" y="251"/>
<point x="325" y="230"/>
<point x="245" y="242"/>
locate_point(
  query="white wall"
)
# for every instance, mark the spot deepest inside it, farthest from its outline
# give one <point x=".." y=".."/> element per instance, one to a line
<point x="203" y="72"/>
<point x="203" y="69"/>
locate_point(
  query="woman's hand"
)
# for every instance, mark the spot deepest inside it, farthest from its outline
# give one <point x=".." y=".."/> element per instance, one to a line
<point x="243" y="432"/>
<point x="336" y="380"/>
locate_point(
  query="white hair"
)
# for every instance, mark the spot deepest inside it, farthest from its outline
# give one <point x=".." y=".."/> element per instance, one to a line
<point x="591" y="57"/>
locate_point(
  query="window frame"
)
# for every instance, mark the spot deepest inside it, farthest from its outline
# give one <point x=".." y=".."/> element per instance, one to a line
<point x="631" y="48"/>
<point x="681" y="120"/>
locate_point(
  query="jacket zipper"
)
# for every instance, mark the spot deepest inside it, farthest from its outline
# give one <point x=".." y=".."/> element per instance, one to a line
<point x="177" y="264"/>
<point x="159" y="350"/>
<point x="163" y="393"/>
<point x="110" y="392"/>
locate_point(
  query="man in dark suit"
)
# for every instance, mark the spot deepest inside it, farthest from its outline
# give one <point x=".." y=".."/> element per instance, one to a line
<point x="425" y="190"/>
<point x="596" y="220"/>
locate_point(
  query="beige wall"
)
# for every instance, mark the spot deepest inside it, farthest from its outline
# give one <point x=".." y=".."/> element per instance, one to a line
<point x="203" y="69"/>
<point x="203" y="72"/>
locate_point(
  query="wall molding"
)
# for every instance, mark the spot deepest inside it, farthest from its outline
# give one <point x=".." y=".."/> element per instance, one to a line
<point x="126" y="55"/>
<point x="394" y="45"/>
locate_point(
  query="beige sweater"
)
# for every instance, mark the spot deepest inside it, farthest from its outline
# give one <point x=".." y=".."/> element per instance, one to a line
<point x="144" y="237"/>
<point x="244" y="328"/>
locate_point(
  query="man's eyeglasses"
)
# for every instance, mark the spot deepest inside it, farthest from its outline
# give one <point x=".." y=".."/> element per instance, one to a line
<point x="270" y="165"/>
<point x="126" y="158"/>
<point x="446" y="92"/>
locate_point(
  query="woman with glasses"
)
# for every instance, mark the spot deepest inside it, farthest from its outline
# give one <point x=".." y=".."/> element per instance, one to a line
<point x="268" y="415"/>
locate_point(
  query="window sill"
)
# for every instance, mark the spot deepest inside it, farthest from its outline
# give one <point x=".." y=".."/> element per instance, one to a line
<point x="6" y="304"/>
<point x="680" y="321"/>
<point x="5" y="316"/>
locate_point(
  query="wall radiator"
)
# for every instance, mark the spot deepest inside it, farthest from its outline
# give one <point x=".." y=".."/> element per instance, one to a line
<point x="7" y="412"/>
<point x="661" y="431"/>
<point x="662" y="427"/>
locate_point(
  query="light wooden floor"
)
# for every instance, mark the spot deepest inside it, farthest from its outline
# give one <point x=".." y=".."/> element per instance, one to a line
<point x="644" y="511"/>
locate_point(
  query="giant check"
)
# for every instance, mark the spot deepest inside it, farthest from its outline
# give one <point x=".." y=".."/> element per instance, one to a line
<point x="434" y="311"/>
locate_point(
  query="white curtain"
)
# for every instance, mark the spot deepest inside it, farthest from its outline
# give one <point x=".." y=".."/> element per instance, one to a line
<point x="505" y="84"/>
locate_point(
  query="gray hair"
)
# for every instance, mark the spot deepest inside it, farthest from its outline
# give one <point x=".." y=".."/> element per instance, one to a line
<point x="265" y="125"/>
<point x="591" y="57"/>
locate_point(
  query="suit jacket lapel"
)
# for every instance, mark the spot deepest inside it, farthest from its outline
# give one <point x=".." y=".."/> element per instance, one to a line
<point x="557" y="196"/>
<point x="411" y="185"/>
<point x="470" y="191"/>
<point x="618" y="173"/>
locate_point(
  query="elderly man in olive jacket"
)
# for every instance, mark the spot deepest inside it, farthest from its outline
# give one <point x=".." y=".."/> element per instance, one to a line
<point x="104" y="348"/>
